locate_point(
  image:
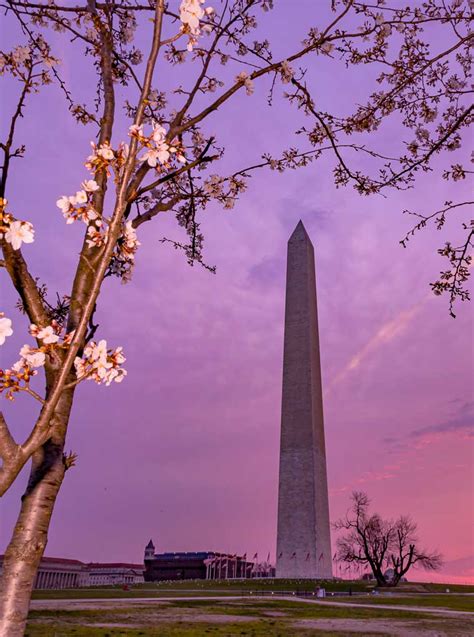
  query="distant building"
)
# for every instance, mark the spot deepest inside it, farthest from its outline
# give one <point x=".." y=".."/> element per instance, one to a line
<point x="114" y="573"/>
<point x="58" y="573"/>
<point x="194" y="565"/>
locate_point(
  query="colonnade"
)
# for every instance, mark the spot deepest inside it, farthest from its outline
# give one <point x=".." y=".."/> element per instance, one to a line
<point x="56" y="579"/>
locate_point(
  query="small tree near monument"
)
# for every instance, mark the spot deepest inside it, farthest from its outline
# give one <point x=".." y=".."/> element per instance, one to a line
<point x="389" y="547"/>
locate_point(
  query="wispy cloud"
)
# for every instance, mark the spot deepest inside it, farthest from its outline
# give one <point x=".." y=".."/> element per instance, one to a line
<point x="460" y="423"/>
<point x="385" y="334"/>
<point x="387" y="472"/>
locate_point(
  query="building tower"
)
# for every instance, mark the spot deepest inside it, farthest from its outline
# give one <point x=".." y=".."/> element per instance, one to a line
<point x="303" y="536"/>
<point x="149" y="551"/>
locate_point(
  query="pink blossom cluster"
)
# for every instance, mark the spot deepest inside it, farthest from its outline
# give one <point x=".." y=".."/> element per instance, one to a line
<point x="100" y="364"/>
<point x="5" y="328"/>
<point x="80" y="207"/>
<point x="97" y="362"/>
<point x="128" y="243"/>
<point x="246" y="80"/>
<point x="157" y="150"/>
<point x="191" y="13"/>
<point x="17" y="378"/>
<point x="105" y="157"/>
<point x="14" y="231"/>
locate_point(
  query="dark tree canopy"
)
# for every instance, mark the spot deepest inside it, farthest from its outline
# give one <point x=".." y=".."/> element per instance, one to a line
<point x="390" y="548"/>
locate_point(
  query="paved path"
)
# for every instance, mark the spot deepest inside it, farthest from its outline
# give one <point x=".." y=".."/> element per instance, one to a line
<point x="70" y="604"/>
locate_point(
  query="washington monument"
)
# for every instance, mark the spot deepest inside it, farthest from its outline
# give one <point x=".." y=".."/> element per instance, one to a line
<point x="303" y="538"/>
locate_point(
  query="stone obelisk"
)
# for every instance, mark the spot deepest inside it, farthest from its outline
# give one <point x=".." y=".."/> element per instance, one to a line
<point x="303" y="538"/>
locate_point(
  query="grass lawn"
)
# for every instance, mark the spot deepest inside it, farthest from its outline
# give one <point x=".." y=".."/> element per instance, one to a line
<point x="451" y="601"/>
<point x="250" y="629"/>
<point x="240" y="587"/>
<point x="228" y="618"/>
<point x="198" y="587"/>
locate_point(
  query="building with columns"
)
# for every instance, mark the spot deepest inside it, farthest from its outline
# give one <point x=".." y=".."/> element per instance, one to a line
<point x="57" y="573"/>
<point x="114" y="573"/>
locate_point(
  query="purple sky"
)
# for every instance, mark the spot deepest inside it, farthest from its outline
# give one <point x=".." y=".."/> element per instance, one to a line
<point x="186" y="450"/>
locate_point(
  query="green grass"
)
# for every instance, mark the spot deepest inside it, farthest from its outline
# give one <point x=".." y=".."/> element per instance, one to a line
<point x="260" y="584"/>
<point x="198" y="587"/>
<point x="118" y="593"/>
<point x="441" y="588"/>
<point x="250" y="617"/>
<point x="451" y="601"/>
<point x="295" y="610"/>
<point x="267" y="628"/>
<point x="256" y="608"/>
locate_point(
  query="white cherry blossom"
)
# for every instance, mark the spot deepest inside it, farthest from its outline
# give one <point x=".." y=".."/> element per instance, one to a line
<point x="85" y="211"/>
<point x="159" y="133"/>
<point x="105" y="152"/>
<point x="5" y="328"/>
<point x="34" y="357"/>
<point x="81" y="197"/>
<point x="64" y="204"/>
<point x="100" y="155"/>
<point x="20" y="54"/>
<point x="19" y="365"/>
<point x="286" y="72"/>
<point x="19" y="232"/>
<point x="123" y="151"/>
<point x="190" y="14"/>
<point x="100" y="364"/>
<point x="48" y="335"/>
<point x="150" y="156"/>
<point x="90" y="185"/>
<point x="130" y="236"/>
<point x="135" y="130"/>
<point x="244" y="77"/>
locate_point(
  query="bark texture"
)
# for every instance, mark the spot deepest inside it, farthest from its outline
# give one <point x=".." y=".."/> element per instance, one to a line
<point x="30" y="535"/>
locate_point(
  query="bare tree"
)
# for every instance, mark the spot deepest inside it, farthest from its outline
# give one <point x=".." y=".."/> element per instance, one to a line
<point x="165" y="164"/>
<point x="389" y="548"/>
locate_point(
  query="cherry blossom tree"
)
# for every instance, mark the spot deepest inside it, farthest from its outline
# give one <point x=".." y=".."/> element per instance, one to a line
<point x="166" y="162"/>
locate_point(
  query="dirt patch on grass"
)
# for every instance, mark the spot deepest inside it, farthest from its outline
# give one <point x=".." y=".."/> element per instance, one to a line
<point x="393" y="628"/>
<point x="106" y="604"/>
<point x="177" y="619"/>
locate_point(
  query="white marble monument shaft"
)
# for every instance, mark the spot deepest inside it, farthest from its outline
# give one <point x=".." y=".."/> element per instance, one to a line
<point x="303" y="537"/>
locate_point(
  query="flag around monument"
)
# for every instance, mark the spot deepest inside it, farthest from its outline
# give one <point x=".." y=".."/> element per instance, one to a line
<point x="303" y="537"/>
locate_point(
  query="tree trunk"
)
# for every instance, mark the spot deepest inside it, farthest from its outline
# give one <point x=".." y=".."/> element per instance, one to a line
<point x="29" y="540"/>
<point x="380" y="577"/>
<point x="30" y="535"/>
